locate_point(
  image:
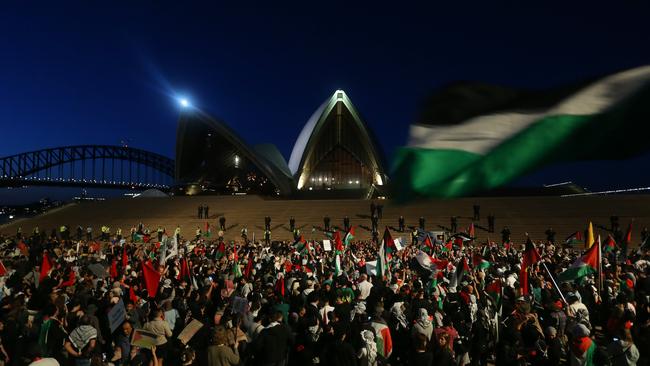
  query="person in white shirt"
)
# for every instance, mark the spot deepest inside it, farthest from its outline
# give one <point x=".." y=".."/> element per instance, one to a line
<point x="364" y="287"/>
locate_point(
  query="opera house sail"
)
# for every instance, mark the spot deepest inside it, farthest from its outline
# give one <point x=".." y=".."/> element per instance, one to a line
<point x="336" y="152"/>
<point x="211" y="158"/>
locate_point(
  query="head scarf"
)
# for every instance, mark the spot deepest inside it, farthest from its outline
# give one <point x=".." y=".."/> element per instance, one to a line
<point x="397" y="312"/>
<point x="423" y="318"/>
<point x="369" y="344"/>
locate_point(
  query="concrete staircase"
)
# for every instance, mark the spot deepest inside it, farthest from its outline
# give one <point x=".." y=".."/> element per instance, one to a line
<point x="521" y="214"/>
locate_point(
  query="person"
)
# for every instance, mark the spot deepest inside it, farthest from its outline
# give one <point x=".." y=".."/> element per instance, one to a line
<point x="554" y="350"/>
<point x="368" y="351"/>
<point x="37" y="359"/>
<point x="373" y="208"/>
<point x="491" y="223"/>
<point x="414" y="236"/>
<point x="421" y="356"/>
<point x="80" y="232"/>
<point x="267" y="237"/>
<point x="206" y="212"/>
<point x="19" y="233"/>
<point x="199" y="214"/>
<point x="400" y="224"/>
<point x="364" y="287"/>
<point x="443" y="349"/>
<point x="52" y="334"/>
<point x="159" y="231"/>
<point x="267" y="223"/>
<point x="421" y="223"/>
<point x="158" y="326"/>
<point x="505" y="235"/>
<point x="346" y="223"/>
<point x="89" y="233"/>
<point x="380" y="211"/>
<point x="81" y="342"/>
<point x="292" y="224"/>
<point x="220" y="353"/>
<point x="454" y="224"/>
<point x="550" y="235"/>
<point x="122" y="351"/>
<point x="222" y="223"/>
<point x="622" y="351"/>
<point x="244" y="233"/>
<point x="614" y="223"/>
<point x="326" y="223"/>
<point x="644" y="235"/>
<point x="198" y="233"/>
<point x="272" y="344"/>
<point x="177" y="233"/>
<point x="374" y="222"/>
<point x="477" y="211"/>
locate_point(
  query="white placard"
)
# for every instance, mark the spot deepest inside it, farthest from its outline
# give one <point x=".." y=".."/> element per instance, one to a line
<point x="327" y="245"/>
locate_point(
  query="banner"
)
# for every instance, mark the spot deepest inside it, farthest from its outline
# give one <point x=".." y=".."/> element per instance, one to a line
<point x="116" y="316"/>
<point x="143" y="338"/>
<point x="327" y="245"/>
<point x="189" y="331"/>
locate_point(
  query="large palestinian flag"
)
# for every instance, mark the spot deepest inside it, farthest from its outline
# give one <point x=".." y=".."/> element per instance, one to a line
<point x="583" y="266"/>
<point x="474" y="137"/>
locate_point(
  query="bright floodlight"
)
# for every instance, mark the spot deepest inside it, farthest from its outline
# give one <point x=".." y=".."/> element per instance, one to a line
<point x="184" y="102"/>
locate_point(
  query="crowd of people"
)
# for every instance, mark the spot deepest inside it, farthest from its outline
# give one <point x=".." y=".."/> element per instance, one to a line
<point x="201" y="300"/>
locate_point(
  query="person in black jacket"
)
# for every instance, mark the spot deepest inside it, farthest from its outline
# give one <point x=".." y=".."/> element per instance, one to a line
<point x="339" y="352"/>
<point x="272" y="345"/>
<point x="422" y="357"/>
<point x="222" y="223"/>
<point x="292" y="224"/>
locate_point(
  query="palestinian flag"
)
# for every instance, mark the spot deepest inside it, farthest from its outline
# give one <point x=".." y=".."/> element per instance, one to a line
<point x="113" y="270"/>
<point x="428" y="245"/>
<point x="590" y="236"/>
<point x="70" y="281"/>
<point x="23" y="248"/>
<point x="46" y="266"/>
<point x="249" y="266"/>
<point x="208" y="230"/>
<point x="338" y="244"/>
<point x="137" y="238"/>
<point x="151" y="278"/>
<point x="349" y="237"/>
<point x="471" y="231"/>
<point x="628" y="235"/>
<point x="449" y="245"/>
<point x="586" y="348"/>
<point x="429" y="263"/>
<point x="125" y="258"/>
<point x="479" y="263"/>
<point x="301" y="245"/>
<point x="388" y="244"/>
<point x="337" y="265"/>
<point x="236" y="270"/>
<point x="221" y="250"/>
<point x="494" y="289"/>
<point x="382" y="265"/>
<point x="3" y="269"/>
<point x="473" y="137"/>
<point x="574" y="239"/>
<point x="530" y="257"/>
<point x="461" y="270"/>
<point x="583" y="266"/>
<point x="383" y="339"/>
<point x="184" y="272"/>
<point x="610" y="244"/>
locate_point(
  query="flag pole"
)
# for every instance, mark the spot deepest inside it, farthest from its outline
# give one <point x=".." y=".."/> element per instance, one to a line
<point x="554" y="283"/>
<point x="600" y="268"/>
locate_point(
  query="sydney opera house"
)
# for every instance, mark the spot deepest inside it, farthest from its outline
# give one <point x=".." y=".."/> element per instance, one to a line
<point x="335" y="155"/>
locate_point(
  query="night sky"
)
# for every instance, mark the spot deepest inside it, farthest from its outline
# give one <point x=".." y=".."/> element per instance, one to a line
<point x="84" y="73"/>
